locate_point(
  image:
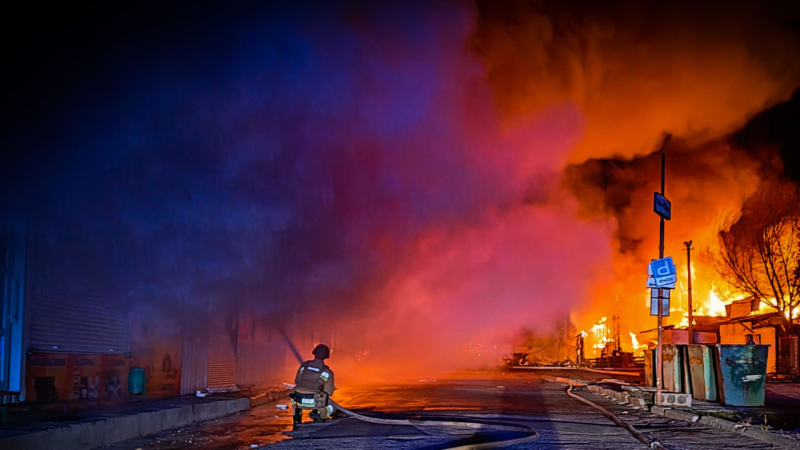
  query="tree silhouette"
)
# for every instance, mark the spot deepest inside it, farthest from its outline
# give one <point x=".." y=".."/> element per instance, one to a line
<point x="759" y="249"/>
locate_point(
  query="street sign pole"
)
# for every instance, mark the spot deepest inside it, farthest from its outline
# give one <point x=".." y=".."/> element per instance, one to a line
<point x="659" y="347"/>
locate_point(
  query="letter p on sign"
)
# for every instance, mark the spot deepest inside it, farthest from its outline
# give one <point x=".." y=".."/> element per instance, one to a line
<point x="663" y="271"/>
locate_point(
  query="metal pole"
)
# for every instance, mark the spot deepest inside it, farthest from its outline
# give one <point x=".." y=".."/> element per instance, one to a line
<point x="659" y="347"/>
<point x="689" y="277"/>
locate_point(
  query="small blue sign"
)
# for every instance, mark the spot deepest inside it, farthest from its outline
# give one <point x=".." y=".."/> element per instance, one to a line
<point x="663" y="272"/>
<point x="662" y="206"/>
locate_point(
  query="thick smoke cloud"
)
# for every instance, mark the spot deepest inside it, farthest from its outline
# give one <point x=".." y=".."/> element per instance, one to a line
<point x="638" y="69"/>
<point x="393" y="172"/>
<point x="347" y="166"/>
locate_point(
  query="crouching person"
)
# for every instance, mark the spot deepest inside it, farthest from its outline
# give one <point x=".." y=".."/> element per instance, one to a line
<point x="313" y="387"/>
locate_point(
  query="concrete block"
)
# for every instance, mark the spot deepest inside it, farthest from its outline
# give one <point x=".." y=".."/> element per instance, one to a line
<point x="681" y="415"/>
<point x="659" y="410"/>
<point x="81" y="436"/>
<point x="716" y="422"/>
<point x="110" y="430"/>
<point x="593" y="388"/>
<point x="238" y="405"/>
<point x="208" y="411"/>
<point x="176" y="417"/>
<point x="222" y="408"/>
<point x="648" y="397"/>
<point x="675" y="399"/>
<point x="117" y="429"/>
<point x="636" y="401"/>
<point x="149" y="422"/>
<point x="621" y="397"/>
<point x="40" y="440"/>
<point x="57" y="436"/>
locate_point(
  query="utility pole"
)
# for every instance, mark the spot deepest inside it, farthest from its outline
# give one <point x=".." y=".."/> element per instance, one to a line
<point x="688" y="245"/>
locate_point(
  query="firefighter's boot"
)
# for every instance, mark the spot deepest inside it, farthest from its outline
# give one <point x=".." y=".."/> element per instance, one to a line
<point x="297" y="418"/>
<point x="316" y="417"/>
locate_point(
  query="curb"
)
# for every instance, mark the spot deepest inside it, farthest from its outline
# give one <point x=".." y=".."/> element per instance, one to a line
<point x="726" y="425"/>
<point x="267" y="397"/>
<point x="709" y="421"/>
<point x="679" y="415"/>
<point x="110" y="430"/>
<point x="637" y="402"/>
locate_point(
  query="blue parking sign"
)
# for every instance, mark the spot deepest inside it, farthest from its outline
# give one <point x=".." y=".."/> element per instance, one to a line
<point x="663" y="272"/>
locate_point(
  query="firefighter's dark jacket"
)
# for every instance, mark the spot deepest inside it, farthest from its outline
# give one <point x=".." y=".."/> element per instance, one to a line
<point x="314" y="376"/>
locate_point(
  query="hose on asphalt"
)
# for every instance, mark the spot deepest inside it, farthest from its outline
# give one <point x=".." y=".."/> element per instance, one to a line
<point x="532" y="434"/>
<point x="639" y="436"/>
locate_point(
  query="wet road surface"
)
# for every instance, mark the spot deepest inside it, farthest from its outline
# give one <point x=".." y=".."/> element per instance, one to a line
<point x="521" y="398"/>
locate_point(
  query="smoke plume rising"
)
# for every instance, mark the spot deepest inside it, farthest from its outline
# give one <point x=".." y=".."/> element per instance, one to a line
<point x="416" y="177"/>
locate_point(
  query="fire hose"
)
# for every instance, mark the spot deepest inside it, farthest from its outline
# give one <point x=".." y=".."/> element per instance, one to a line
<point x="532" y="435"/>
<point x="639" y="436"/>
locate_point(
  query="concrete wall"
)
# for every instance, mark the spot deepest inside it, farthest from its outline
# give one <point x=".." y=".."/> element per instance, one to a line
<point x="106" y="431"/>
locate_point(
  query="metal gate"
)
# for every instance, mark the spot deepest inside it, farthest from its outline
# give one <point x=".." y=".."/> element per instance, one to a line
<point x="69" y="313"/>
<point x="77" y="322"/>
<point x="221" y="362"/>
<point x="194" y="364"/>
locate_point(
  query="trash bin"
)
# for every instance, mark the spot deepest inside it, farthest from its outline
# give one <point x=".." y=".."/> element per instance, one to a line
<point x="673" y="369"/>
<point x="702" y="372"/>
<point x="742" y="374"/>
<point x="136" y="382"/>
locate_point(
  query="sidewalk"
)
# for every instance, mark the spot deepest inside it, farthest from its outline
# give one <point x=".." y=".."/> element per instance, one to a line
<point x="780" y="412"/>
<point x="95" y="426"/>
<point x="777" y="423"/>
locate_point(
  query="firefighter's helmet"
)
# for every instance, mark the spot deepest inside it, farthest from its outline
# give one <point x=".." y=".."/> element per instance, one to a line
<point x="322" y="352"/>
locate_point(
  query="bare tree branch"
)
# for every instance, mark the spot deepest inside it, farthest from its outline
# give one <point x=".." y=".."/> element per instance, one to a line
<point x="759" y="249"/>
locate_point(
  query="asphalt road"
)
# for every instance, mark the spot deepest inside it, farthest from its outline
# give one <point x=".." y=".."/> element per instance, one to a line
<point x="527" y="398"/>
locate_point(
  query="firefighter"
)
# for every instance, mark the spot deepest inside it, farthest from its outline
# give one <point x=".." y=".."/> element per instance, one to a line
<point x="313" y="386"/>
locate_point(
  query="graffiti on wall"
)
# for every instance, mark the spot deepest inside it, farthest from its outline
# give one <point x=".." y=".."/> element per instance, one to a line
<point x="156" y="345"/>
<point x="112" y="391"/>
<point x="161" y="362"/>
<point x="76" y="379"/>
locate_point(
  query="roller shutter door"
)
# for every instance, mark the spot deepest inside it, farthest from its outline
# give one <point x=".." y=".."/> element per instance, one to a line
<point x="221" y="362"/>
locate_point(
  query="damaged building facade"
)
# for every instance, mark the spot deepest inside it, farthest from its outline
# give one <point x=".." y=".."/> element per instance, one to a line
<point x="71" y="337"/>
